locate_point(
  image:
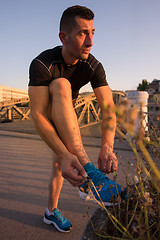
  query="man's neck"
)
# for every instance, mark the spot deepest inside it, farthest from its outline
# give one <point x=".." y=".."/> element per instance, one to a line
<point x="67" y="58"/>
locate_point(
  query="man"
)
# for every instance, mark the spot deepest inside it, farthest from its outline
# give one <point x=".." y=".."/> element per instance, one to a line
<point x="56" y="76"/>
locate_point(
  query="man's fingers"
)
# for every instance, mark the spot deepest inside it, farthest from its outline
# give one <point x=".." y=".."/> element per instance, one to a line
<point x="114" y="163"/>
<point x="108" y="165"/>
<point x="80" y="169"/>
<point x="75" y="183"/>
<point x="77" y="177"/>
<point x="74" y="179"/>
<point x="72" y="175"/>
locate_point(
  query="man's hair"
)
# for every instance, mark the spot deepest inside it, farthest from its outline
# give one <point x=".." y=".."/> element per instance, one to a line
<point x="68" y="22"/>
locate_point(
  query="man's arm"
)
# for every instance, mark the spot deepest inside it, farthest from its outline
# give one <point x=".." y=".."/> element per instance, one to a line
<point x="107" y="160"/>
<point x="39" y="104"/>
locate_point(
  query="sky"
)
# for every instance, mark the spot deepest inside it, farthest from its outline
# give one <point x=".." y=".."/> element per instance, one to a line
<point x="126" y="40"/>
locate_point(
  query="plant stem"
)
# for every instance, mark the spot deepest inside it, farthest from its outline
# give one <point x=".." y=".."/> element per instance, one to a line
<point x="114" y="220"/>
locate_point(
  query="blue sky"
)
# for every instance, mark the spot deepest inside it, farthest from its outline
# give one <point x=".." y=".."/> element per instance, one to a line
<point x="126" y="41"/>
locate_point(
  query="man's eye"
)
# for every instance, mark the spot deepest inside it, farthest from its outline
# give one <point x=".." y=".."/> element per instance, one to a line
<point x="82" y="33"/>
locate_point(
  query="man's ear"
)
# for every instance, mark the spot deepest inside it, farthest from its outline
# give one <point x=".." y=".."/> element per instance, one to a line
<point x="63" y="37"/>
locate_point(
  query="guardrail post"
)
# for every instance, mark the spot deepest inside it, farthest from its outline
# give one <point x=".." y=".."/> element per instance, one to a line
<point x="9" y="114"/>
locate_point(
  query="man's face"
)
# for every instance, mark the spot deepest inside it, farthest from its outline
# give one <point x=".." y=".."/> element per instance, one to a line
<point x="80" y="40"/>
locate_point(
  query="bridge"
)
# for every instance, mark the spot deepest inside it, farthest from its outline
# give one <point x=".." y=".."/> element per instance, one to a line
<point x="86" y="108"/>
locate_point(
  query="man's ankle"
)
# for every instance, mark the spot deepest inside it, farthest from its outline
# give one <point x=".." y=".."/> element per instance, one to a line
<point x="82" y="156"/>
<point x="49" y="209"/>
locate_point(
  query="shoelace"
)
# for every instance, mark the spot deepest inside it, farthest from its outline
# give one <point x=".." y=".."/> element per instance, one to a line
<point x="58" y="215"/>
<point x="98" y="176"/>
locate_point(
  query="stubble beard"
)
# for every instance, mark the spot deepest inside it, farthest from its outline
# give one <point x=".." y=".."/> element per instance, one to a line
<point x="83" y="56"/>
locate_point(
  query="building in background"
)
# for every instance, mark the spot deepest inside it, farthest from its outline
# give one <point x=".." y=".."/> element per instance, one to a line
<point x="154" y="102"/>
<point x="9" y="93"/>
<point x="154" y="86"/>
<point x="154" y="93"/>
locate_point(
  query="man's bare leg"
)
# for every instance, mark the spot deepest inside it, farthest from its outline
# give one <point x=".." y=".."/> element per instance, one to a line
<point x="55" y="184"/>
<point x="52" y="214"/>
<point x="65" y="119"/>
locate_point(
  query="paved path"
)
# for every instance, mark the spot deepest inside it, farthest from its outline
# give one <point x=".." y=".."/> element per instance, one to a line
<point x="24" y="172"/>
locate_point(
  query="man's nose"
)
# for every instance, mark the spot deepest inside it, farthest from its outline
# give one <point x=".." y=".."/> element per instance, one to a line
<point x="89" y="40"/>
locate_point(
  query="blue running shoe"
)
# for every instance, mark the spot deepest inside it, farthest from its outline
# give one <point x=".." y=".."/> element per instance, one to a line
<point x="107" y="189"/>
<point x="56" y="218"/>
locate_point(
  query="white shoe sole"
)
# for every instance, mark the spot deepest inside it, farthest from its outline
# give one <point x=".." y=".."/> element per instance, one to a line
<point x="83" y="196"/>
<point x="50" y="222"/>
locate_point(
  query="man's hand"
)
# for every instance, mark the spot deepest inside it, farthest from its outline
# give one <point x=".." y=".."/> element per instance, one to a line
<point x="72" y="170"/>
<point x="107" y="160"/>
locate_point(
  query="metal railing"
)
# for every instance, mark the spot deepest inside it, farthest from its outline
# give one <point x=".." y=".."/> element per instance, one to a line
<point x="86" y="107"/>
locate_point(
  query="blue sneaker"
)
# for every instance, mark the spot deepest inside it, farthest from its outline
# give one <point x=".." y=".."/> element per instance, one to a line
<point x="56" y="218"/>
<point x="107" y="189"/>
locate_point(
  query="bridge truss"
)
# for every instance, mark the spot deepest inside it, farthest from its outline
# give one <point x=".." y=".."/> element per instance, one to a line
<point x="86" y="108"/>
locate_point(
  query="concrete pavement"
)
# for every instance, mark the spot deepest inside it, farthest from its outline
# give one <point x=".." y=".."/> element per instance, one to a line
<point x="24" y="172"/>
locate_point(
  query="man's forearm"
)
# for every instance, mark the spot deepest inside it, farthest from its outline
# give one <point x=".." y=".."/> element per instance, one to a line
<point x="108" y="128"/>
<point x="106" y="103"/>
<point x="107" y="160"/>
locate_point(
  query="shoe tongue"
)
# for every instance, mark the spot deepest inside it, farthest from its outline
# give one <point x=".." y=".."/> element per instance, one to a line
<point x="89" y="167"/>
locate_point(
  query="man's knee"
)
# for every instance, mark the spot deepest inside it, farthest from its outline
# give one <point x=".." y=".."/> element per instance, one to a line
<point x="60" y="86"/>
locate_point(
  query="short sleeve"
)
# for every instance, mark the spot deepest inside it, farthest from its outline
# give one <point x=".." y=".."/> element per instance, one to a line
<point x="99" y="77"/>
<point x="39" y="75"/>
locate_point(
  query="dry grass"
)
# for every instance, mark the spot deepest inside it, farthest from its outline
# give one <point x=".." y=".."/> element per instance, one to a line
<point x="139" y="216"/>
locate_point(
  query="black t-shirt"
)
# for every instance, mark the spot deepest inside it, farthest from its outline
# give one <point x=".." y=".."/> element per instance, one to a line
<point x="50" y="65"/>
